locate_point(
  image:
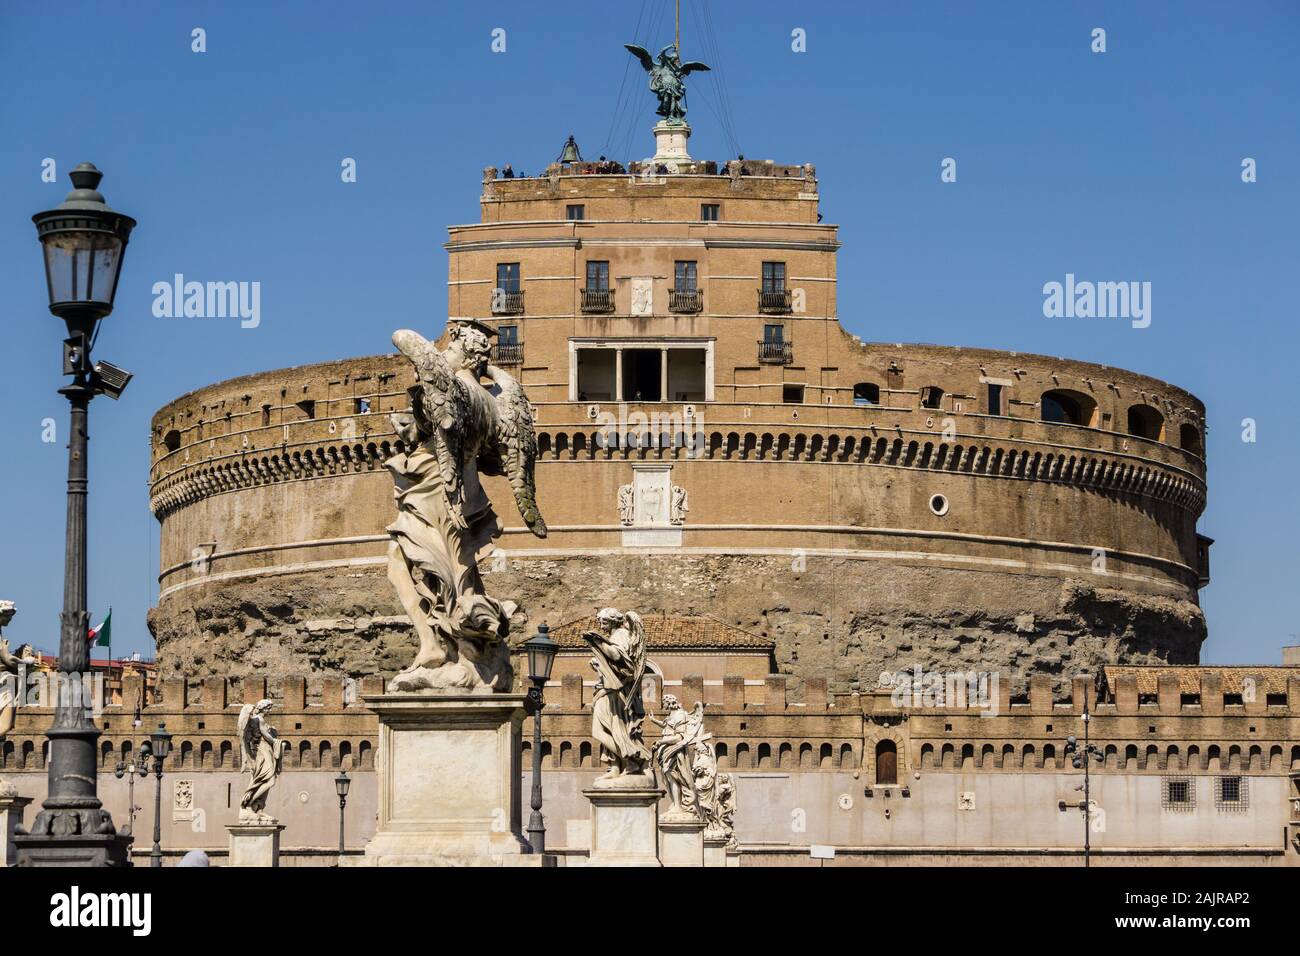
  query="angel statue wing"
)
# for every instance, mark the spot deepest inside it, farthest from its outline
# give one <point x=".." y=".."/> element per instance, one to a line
<point x="442" y="409"/>
<point x="247" y="738"/>
<point x="693" y="66"/>
<point x="642" y="54"/>
<point x="515" y="447"/>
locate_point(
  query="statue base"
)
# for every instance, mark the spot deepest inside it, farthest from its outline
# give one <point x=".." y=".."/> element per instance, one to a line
<point x="255" y="844"/>
<point x="681" y="839"/>
<point x="449" y="782"/>
<point x="670" y="142"/>
<point x="715" y="849"/>
<point x="12" y="808"/>
<point x="624" y="818"/>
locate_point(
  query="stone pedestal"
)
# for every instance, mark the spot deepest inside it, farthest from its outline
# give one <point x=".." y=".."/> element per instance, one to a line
<point x="681" y="839"/>
<point x="715" y="850"/>
<point x="449" y="782"/>
<point x="255" y="844"/>
<point x="670" y="142"/>
<point x="624" y="822"/>
<point x="12" y="808"/>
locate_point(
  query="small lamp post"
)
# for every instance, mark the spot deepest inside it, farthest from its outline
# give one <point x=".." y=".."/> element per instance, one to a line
<point x="162" y="745"/>
<point x="83" y="241"/>
<point x="130" y="770"/>
<point x="541" y="656"/>
<point x="1079" y="759"/>
<point x="341" y="784"/>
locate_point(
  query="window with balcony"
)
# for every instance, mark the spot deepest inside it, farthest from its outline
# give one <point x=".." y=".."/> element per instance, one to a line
<point x="774" y="348"/>
<point x="596" y="294"/>
<point x="773" y="296"/>
<point x="507" y="349"/>
<point x="575" y="212"/>
<point x="508" y="296"/>
<point x="709" y="211"/>
<point x="684" y="296"/>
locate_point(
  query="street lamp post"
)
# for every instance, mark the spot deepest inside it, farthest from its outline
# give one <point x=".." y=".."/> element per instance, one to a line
<point x="162" y="745"/>
<point x="130" y="769"/>
<point x="1079" y="759"/>
<point x="541" y="655"/>
<point x="84" y="242"/>
<point x="341" y="784"/>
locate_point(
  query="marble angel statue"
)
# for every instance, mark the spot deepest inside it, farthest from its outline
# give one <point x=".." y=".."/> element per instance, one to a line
<point x="262" y="753"/>
<point x="682" y="732"/>
<point x="458" y="428"/>
<point x="617" y="713"/>
<point x="13" y="668"/>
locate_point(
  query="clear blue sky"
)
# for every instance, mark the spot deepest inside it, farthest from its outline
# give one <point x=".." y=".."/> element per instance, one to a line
<point x="1122" y="165"/>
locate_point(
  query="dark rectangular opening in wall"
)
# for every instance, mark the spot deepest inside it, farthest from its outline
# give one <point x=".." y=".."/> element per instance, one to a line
<point x="1275" y="700"/>
<point x="1189" y="700"/>
<point x="266" y="415"/>
<point x="642" y="375"/>
<point x="307" y="407"/>
<point x="596" y="375"/>
<point x="1229" y="699"/>
<point x="792" y="394"/>
<point x="994" y="399"/>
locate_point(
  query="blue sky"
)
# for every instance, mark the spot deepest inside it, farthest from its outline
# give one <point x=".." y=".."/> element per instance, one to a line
<point x="1124" y="165"/>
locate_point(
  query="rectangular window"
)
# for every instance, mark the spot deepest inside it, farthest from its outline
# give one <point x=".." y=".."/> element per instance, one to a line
<point x="1178" y="793"/>
<point x="308" y="408"/>
<point x="575" y="212"/>
<point x="266" y="415"/>
<point x="995" y="399"/>
<point x="709" y="211"/>
<point x="773" y="334"/>
<point x="1231" y="793"/>
<point x="684" y="277"/>
<point x="792" y="394"/>
<point x="508" y="335"/>
<point x="773" y="276"/>
<point x="508" y="276"/>
<point x="362" y="406"/>
<point x="598" y="276"/>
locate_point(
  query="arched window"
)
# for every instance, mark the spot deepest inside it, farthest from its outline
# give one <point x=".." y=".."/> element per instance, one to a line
<point x="172" y="440"/>
<point x="1146" y="422"/>
<point x="1189" y="439"/>
<point x="1067" y="407"/>
<point x="866" y="393"/>
<point x="886" y="764"/>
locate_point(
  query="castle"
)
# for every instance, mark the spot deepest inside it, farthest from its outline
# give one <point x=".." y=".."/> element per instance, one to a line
<point x="799" y="515"/>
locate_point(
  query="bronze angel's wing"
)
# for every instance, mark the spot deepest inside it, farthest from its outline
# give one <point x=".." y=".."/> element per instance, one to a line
<point x="642" y="54"/>
<point x="442" y="406"/>
<point x="693" y="66"/>
<point x="516" y="447"/>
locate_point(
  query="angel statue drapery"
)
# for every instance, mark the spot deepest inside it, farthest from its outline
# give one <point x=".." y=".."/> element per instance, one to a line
<point x="666" y="74"/>
<point x="458" y="427"/>
<point x="617" y="713"/>
<point x="681" y="734"/>
<point x="262" y="753"/>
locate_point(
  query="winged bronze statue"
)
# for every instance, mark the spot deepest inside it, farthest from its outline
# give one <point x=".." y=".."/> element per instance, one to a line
<point x="458" y="429"/>
<point x="666" y="76"/>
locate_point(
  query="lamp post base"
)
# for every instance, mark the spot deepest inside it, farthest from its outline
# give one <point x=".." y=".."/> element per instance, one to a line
<point x="85" y="849"/>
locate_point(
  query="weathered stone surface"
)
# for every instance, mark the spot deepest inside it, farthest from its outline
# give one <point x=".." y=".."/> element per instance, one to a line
<point x="844" y="620"/>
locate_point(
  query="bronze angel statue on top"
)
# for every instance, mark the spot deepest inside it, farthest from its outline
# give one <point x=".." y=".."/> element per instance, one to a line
<point x="666" y="75"/>
<point x="458" y="427"/>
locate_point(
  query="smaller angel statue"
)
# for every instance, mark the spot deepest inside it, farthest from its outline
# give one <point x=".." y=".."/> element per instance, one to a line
<point x="263" y="756"/>
<point x="675" y="751"/>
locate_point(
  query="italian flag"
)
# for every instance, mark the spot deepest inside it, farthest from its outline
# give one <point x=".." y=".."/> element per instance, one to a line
<point x="101" y="636"/>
